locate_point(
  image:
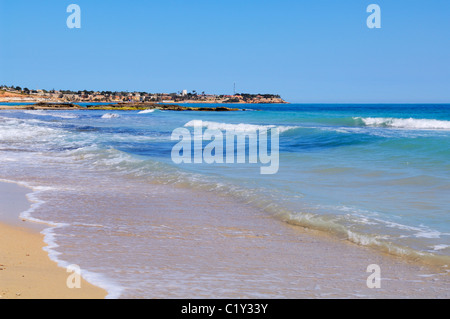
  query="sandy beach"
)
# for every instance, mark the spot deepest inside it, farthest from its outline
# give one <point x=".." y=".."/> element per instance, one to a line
<point x="26" y="272"/>
<point x="258" y="255"/>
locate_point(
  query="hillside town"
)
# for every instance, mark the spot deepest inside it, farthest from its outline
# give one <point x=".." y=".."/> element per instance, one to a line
<point x="19" y="94"/>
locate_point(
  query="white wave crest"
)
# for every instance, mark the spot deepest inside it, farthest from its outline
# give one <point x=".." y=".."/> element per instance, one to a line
<point x="19" y="131"/>
<point x="45" y="113"/>
<point x="440" y="247"/>
<point x="110" y="116"/>
<point x="147" y="111"/>
<point x="410" y="123"/>
<point x="242" y="127"/>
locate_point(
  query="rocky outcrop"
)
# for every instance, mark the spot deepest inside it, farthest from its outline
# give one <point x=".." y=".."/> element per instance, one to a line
<point x="149" y="106"/>
<point x="117" y="107"/>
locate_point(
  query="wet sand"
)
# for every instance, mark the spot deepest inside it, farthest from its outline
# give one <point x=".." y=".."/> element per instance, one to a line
<point x="26" y="272"/>
<point x="160" y="241"/>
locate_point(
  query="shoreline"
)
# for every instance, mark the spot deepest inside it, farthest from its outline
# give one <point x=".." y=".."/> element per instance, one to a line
<point x="26" y="270"/>
<point x="314" y="255"/>
<point x="159" y="229"/>
<point x="158" y="102"/>
<point x="114" y="107"/>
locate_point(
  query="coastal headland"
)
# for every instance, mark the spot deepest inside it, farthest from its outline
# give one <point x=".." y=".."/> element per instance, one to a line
<point x="141" y="106"/>
<point x="21" y="95"/>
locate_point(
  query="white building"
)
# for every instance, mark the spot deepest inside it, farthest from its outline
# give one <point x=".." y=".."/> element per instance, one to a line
<point x="184" y="92"/>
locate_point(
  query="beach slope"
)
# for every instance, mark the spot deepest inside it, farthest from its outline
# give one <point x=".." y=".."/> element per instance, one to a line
<point x="26" y="270"/>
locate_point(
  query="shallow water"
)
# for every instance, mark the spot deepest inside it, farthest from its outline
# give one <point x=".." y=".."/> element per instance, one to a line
<point x="377" y="175"/>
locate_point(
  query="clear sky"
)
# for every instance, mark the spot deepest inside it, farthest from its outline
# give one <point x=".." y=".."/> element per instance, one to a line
<point x="305" y="50"/>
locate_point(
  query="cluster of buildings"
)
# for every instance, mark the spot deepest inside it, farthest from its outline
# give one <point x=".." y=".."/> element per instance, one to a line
<point x="116" y="97"/>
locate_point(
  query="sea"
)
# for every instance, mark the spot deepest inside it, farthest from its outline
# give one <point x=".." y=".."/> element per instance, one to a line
<point x="377" y="175"/>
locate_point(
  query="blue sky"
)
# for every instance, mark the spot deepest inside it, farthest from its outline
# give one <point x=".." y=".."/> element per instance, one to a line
<point x="310" y="51"/>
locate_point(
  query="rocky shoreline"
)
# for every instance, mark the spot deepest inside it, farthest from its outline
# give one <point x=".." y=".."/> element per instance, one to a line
<point x="116" y="107"/>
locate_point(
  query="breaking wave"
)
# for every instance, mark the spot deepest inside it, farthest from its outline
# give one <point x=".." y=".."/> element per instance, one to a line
<point x="45" y="113"/>
<point x="242" y="127"/>
<point x="110" y="116"/>
<point x="147" y="111"/>
<point x="410" y="123"/>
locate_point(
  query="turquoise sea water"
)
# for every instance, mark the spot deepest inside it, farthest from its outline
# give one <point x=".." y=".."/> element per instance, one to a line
<point x="376" y="175"/>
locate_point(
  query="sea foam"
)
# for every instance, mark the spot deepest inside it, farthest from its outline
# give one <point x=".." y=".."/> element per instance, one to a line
<point x="410" y="123"/>
<point x="242" y="127"/>
<point x="147" y="111"/>
<point x="114" y="290"/>
<point x="45" y="113"/>
<point x="110" y="116"/>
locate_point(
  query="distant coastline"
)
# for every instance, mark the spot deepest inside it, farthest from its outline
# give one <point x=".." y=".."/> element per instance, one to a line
<point x="25" y="95"/>
<point x="128" y="106"/>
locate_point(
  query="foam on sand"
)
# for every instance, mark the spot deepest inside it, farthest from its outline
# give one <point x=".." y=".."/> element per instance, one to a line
<point x="114" y="291"/>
